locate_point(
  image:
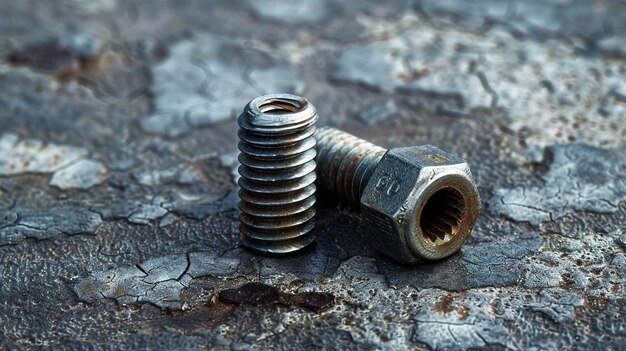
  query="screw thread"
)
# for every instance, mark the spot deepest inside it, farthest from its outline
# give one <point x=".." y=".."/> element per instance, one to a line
<point x="277" y="158"/>
<point x="345" y="163"/>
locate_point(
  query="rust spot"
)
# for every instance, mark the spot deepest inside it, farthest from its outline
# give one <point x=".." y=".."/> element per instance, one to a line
<point x="566" y="280"/>
<point x="263" y="294"/>
<point x="381" y="336"/>
<point x="444" y="305"/>
<point x="203" y="317"/>
<point x="63" y="63"/>
<point x="294" y="284"/>
<point x="614" y="288"/>
<point x="597" y="271"/>
<point x="49" y="57"/>
<point x="462" y="311"/>
<point x="412" y="75"/>
<point x="46" y="56"/>
<point x="434" y="158"/>
<point x="595" y="303"/>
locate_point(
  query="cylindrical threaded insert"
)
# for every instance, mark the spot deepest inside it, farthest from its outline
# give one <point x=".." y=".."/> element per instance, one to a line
<point x="277" y="158"/>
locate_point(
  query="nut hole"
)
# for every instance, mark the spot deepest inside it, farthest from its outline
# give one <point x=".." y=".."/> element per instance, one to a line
<point x="281" y="106"/>
<point x="442" y="215"/>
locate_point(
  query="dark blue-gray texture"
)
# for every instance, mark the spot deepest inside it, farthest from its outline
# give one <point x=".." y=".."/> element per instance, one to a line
<point x="118" y="145"/>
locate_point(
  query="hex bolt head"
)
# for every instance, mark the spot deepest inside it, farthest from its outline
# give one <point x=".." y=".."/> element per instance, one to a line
<point x="421" y="201"/>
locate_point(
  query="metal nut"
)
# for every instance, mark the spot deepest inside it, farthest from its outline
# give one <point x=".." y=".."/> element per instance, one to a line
<point x="422" y="202"/>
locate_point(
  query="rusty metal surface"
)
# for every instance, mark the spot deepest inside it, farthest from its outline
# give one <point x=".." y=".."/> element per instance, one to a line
<point x="118" y="147"/>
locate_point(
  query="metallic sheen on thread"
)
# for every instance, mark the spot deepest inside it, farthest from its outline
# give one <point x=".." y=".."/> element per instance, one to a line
<point x="277" y="157"/>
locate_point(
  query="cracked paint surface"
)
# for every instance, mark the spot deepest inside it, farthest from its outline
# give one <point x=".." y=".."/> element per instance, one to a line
<point x="292" y="13"/>
<point x="576" y="180"/>
<point x="118" y="181"/>
<point x="68" y="164"/>
<point x="83" y="174"/>
<point x="34" y="156"/>
<point x="192" y="89"/>
<point x="22" y="223"/>
<point x="547" y="97"/>
<point x="158" y="281"/>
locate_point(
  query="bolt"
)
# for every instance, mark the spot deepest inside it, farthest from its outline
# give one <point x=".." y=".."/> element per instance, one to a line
<point x="277" y="158"/>
<point x="421" y="201"/>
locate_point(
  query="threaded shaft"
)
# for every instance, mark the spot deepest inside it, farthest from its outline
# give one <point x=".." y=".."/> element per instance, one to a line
<point x="345" y="163"/>
<point x="277" y="158"/>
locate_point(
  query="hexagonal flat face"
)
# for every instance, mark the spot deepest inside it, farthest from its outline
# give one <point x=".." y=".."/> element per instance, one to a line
<point x="426" y="156"/>
<point x="388" y="188"/>
<point x="401" y="187"/>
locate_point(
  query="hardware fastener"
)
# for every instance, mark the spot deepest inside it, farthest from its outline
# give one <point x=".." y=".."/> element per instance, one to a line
<point x="421" y="201"/>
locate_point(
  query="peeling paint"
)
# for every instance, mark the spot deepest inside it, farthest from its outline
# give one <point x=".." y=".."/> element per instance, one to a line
<point x="291" y="13"/>
<point x="158" y="281"/>
<point x="581" y="177"/>
<point x="69" y="219"/>
<point x="547" y="97"/>
<point x="19" y="156"/>
<point x="82" y="175"/>
<point x="198" y="86"/>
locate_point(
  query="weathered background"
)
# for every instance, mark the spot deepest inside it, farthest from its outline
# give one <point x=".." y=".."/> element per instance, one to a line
<point x="118" y="223"/>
